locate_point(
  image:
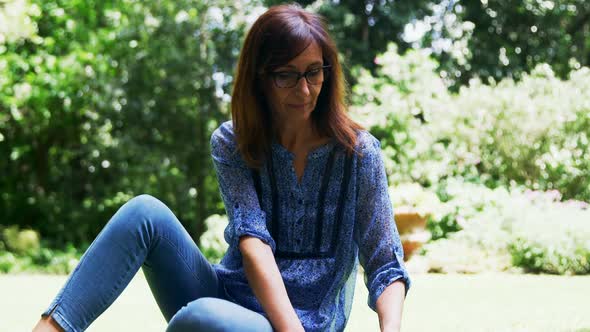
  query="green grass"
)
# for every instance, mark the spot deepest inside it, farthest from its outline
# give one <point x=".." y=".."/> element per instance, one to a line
<point x="495" y="302"/>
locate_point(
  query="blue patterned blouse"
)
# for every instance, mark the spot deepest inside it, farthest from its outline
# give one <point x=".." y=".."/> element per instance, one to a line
<point x="318" y="229"/>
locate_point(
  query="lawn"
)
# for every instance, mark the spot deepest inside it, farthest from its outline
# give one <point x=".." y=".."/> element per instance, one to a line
<point x="494" y="302"/>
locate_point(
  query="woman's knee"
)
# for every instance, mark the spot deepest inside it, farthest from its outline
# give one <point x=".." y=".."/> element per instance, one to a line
<point x="211" y="314"/>
<point x="144" y="207"/>
<point x="199" y="315"/>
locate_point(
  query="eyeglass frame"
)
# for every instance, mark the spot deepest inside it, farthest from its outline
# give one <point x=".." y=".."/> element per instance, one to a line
<point x="300" y="75"/>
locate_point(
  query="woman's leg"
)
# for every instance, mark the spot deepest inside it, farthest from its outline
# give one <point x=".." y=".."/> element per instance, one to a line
<point x="208" y="314"/>
<point x="143" y="233"/>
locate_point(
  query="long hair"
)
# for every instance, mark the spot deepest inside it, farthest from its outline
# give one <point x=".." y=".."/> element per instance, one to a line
<point x="278" y="36"/>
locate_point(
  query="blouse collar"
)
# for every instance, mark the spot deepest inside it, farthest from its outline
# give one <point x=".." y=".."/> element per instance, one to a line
<point x="317" y="152"/>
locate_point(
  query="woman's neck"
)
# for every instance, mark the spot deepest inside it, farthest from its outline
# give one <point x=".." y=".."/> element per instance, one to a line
<point x="296" y="135"/>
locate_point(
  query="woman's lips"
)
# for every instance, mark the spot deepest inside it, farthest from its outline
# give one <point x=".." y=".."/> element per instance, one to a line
<point x="297" y="105"/>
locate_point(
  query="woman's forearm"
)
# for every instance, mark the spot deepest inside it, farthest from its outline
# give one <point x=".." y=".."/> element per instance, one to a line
<point x="267" y="284"/>
<point x="390" y="305"/>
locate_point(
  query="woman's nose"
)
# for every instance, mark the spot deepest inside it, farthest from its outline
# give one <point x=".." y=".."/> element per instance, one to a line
<point x="302" y="86"/>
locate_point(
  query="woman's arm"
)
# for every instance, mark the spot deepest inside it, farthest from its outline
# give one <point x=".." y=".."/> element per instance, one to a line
<point x="247" y="230"/>
<point x="390" y="305"/>
<point x="380" y="248"/>
<point x="265" y="280"/>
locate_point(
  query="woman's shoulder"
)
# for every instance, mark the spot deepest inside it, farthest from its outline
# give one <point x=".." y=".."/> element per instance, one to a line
<point x="225" y="131"/>
<point x="224" y="136"/>
<point x="223" y="141"/>
<point x="366" y="142"/>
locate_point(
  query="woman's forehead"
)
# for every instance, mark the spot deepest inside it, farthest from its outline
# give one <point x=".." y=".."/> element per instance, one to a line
<point x="312" y="55"/>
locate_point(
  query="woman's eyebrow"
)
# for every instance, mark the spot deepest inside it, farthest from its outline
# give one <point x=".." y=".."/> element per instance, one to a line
<point x="311" y="64"/>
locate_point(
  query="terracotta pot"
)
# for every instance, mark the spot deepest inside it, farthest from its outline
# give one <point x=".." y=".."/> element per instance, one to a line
<point x="411" y="226"/>
<point x="408" y="221"/>
<point x="414" y="241"/>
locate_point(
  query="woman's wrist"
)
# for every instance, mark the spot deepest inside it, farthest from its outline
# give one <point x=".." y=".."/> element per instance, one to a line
<point x="391" y="328"/>
<point x="292" y="324"/>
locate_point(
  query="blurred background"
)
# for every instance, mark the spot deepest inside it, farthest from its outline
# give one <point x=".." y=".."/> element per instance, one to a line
<point x="482" y="109"/>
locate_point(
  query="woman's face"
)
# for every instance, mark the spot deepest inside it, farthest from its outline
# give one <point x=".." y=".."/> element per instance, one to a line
<point x="296" y="103"/>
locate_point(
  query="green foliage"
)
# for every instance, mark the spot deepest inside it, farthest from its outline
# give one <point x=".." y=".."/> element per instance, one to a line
<point x="413" y="197"/>
<point x="24" y="251"/>
<point x="7" y="261"/>
<point x="43" y="260"/>
<point x="503" y="38"/>
<point x="19" y="241"/>
<point x="469" y="39"/>
<point x="566" y="258"/>
<point x="212" y="243"/>
<point x="102" y="101"/>
<point x="533" y="133"/>
<point x="503" y="229"/>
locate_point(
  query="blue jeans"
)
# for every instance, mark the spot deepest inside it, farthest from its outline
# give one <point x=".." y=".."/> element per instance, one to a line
<point x="145" y="233"/>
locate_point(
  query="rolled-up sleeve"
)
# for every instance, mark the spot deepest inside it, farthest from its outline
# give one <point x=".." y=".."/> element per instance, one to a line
<point x="238" y="193"/>
<point x="380" y="250"/>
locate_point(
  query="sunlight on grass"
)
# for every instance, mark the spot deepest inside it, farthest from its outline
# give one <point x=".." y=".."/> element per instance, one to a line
<point x="494" y="302"/>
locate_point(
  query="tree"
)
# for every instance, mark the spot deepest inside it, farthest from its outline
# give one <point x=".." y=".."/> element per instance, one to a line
<point x="105" y="100"/>
<point x="506" y="38"/>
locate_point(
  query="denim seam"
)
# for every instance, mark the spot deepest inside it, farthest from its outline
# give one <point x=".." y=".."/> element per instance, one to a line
<point x="59" y="300"/>
<point x="183" y="259"/>
<point x="113" y="295"/>
<point x="60" y="318"/>
<point x="78" y="266"/>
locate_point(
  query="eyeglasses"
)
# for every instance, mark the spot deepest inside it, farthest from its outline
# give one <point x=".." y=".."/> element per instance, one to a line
<point x="289" y="79"/>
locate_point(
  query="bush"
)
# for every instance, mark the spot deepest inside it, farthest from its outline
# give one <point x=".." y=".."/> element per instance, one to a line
<point x="96" y="102"/>
<point x="413" y="197"/>
<point x="567" y="257"/>
<point x="44" y="260"/>
<point x="7" y="261"/>
<point x="501" y="228"/>
<point x="212" y="243"/>
<point x="25" y="251"/>
<point x="534" y="133"/>
<point x="554" y="237"/>
<point x="19" y="241"/>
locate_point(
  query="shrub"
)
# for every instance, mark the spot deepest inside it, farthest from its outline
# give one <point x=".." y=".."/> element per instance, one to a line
<point x="533" y="133"/>
<point x="7" y="261"/>
<point x="24" y="251"/>
<point x="20" y="241"/>
<point x="212" y="243"/>
<point x="554" y="237"/>
<point x="43" y="261"/>
<point x="500" y="228"/>
<point x="96" y="102"/>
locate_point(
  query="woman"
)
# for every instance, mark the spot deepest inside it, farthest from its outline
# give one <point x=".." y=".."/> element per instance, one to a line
<point x="305" y="192"/>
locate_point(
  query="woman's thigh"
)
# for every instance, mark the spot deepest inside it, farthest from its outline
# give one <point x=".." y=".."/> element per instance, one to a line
<point x="175" y="269"/>
<point x="209" y="314"/>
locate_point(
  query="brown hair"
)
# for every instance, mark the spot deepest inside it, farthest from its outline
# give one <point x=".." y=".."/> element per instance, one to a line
<point x="278" y="36"/>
